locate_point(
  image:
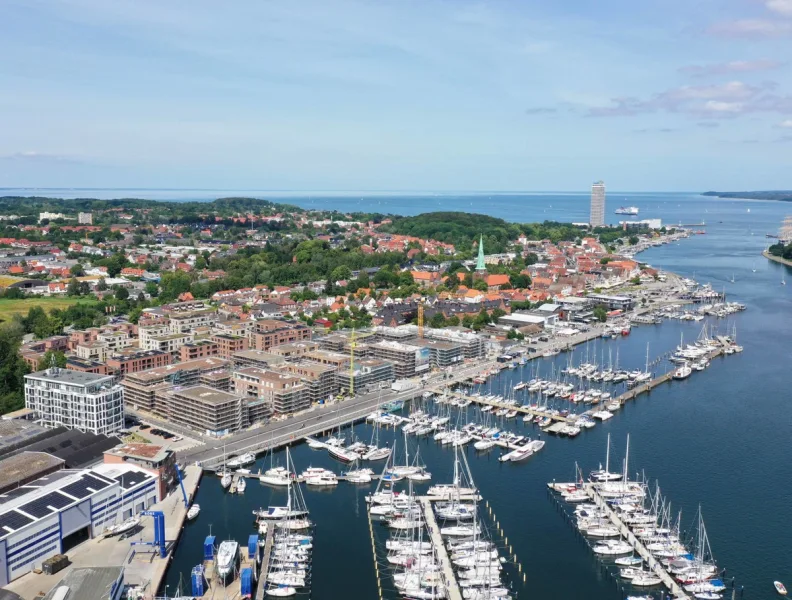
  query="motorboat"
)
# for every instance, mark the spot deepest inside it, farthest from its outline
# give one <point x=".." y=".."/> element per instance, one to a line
<point x="683" y="372"/>
<point x="322" y="480"/>
<point x="226" y="559"/>
<point x="612" y="548"/>
<point x="278" y="513"/>
<point x="779" y="587"/>
<point x="281" y="591"/>
<point x="241" y="461"/>
<point x="646" y="579"/>
<point x="628" y="561"/>
<point x="193" y="512"/>
<point x="358" y="476"/>
<point x="342" y="454"/>
<point x="241" y="485"/>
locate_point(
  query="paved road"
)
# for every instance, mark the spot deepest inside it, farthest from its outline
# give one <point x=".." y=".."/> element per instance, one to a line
<point x="316" y="420"/>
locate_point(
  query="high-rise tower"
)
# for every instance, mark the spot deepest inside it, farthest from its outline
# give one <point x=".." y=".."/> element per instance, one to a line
<point x="597" y="218"/>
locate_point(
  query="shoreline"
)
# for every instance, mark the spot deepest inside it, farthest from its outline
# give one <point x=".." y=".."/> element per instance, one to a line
<point x="777" y="259"/>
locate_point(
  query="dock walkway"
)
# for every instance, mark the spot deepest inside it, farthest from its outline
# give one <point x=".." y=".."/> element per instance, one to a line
<point x="520" y="409"/>
<point x="654" y="565"/>
<point x="264" y="570"/>
<point x="454" y="592"/>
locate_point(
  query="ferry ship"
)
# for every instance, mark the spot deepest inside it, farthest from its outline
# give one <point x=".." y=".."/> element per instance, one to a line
<point x="627" y="210"/>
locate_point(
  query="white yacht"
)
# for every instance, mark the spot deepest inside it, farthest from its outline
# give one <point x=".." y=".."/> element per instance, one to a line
<point x="683" y="372"/>
<point x="241" y="461"/>
<point x="193" y="512"/>
<point x="226" y="559"/>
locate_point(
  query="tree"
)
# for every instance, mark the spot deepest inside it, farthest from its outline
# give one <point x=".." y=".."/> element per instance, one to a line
<point x="77" y="270"/>
<point x="101" y="286"/>
<point x="121" y="293"/>
<point x="633" y="240"/>
<point x="12" y="369"/>
<point x="520" y="280"/>
<point x="175" y="283"/>
<point x="73" y="288"/>
<point x="600" y="314"/>
<point x="437" y="321"/>
<point x="45" y="362"/>
<point x="342" y="273"/>
<point x="480" y="285"/>
<point x="152" y="289"/>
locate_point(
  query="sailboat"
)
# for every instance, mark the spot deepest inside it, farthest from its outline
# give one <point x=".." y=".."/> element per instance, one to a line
<point x="732" y="278"/>
<point x="602" y="475"/>
<point x="277" y="476"/>
<point x="225" y="475"/>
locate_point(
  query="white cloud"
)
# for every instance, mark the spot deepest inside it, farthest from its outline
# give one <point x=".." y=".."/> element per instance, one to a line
<point x="752" y="28"/>
<point x="718" y="106"/>
<point x="782" y="7"/>
<point x="786" y="124"/>
<point x="734" y="66"/>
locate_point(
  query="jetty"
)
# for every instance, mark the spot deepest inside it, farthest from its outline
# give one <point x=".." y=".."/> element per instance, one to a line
<point x="654" y="565"/>
<point x="265" y="559"/>
<point x="452" y="585"/>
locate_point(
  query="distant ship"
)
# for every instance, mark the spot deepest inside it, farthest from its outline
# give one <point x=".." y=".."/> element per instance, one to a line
<point x="627" y="210"/>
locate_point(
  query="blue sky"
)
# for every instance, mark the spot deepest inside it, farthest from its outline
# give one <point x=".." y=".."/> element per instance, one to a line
<point x="396" y="94"/>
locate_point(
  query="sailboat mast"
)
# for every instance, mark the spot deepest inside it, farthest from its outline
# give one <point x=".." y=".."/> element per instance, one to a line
<point x="607" y="456"/>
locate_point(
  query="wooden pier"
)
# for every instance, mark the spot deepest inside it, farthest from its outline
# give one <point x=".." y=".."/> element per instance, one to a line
<point x="654" y="565"/>
<point x="452" y="586"/>
<point x="264" y="568"/>
<point x="520" y="409"/>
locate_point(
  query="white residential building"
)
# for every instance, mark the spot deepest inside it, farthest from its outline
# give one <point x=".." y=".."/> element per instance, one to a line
<point x="85" y="218"/>
<point x="77" y="400"/>
<point x="597" y="218"/>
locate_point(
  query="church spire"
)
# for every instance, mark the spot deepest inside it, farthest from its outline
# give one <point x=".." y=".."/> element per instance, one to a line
<point x="480" y="264"/>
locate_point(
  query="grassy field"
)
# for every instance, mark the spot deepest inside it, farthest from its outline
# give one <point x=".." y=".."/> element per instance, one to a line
<point x="8" y="308"/>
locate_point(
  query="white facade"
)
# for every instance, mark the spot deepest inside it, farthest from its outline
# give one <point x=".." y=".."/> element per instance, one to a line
<point x="597" y="218"/>
<point x="167" y="343"/>
<point x="77" y="400"/>
<point x="85" y="218"/>
<point x="36" y="524"/>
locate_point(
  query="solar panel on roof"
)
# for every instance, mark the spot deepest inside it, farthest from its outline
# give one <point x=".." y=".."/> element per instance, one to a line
<point x="13" y="520"/>
<point x="40" y="507"/>
<point x="95" y="482"/>
<point x="129" y="480"/>
<point x="101" y="477"/>
<point x="78" y="489"/>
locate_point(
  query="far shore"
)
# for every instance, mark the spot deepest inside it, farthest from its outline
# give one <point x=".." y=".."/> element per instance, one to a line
<point x="777" y="259"/>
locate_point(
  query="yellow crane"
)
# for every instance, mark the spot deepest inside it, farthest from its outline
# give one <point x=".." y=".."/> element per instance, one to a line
<point x="352" y="345"/>
<point x="420" y="321"/>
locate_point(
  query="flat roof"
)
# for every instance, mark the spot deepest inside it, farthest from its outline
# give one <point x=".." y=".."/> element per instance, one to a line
<point x="206" y="364"/>
<point x="522" y="318"/>
<point x="26" y="465"/>
<point x="206" y="395"/>
<point x="88" y="583"/>
<point x="153" y="452"/>
<point x="68" y="376"/>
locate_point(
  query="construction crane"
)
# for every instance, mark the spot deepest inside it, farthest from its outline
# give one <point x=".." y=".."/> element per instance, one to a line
<point x="352" y="345"/>
<point x="181" y="485"/>
<point x="420" y="321"/>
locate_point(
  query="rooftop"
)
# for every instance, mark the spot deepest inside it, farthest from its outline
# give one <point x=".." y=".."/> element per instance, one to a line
<point x="25" y="465"/>
<point x="206" y="395"/>
<point x="88" y="583"/>
<point x="152" y="452"/>
<point x="68" y="376"/>
<point x="203" y="364"/>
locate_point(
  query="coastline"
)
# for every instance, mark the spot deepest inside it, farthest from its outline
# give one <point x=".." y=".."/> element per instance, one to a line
<point x="777" y="259"/>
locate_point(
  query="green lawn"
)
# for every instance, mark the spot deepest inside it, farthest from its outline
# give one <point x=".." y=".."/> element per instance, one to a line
<point x="8" y="308"/>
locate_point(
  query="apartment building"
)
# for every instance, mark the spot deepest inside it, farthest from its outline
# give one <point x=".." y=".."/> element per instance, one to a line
<point x="368" y="374"/>
<point x="284" y="393"/>
<point x="199" y="349"/>
<point x="76" y="400"/>
<point x="408" y="360"/>
<point x="320" y="380"/>
<point x="140" y="388"/>
<point x="294" y="351"/>
<point x="273" y="332"/>
<point x="115" y="340"/>
<point x="160" y="461"/>
<point x="190" y="321"/>
<point x="170" y="343"/>
<point x="227" y="344"/>
<point x="204" y="409"/>
<point x="95" y="351"/>
<point x="133" y="360"/>
<point x="444" y="354"/>
<point x="146" y="332"/>
<point x="256" y="358"/>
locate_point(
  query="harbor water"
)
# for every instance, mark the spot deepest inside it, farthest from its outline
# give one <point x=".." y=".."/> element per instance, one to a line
<point x="719" y="439"/>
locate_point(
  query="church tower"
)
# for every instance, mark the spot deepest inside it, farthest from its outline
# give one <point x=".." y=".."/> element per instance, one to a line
<point x="481" y="266"/>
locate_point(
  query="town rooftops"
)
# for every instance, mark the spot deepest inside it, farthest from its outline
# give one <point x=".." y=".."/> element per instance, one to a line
<point x="205" y="364"/>
<point x="21" y="467"/>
